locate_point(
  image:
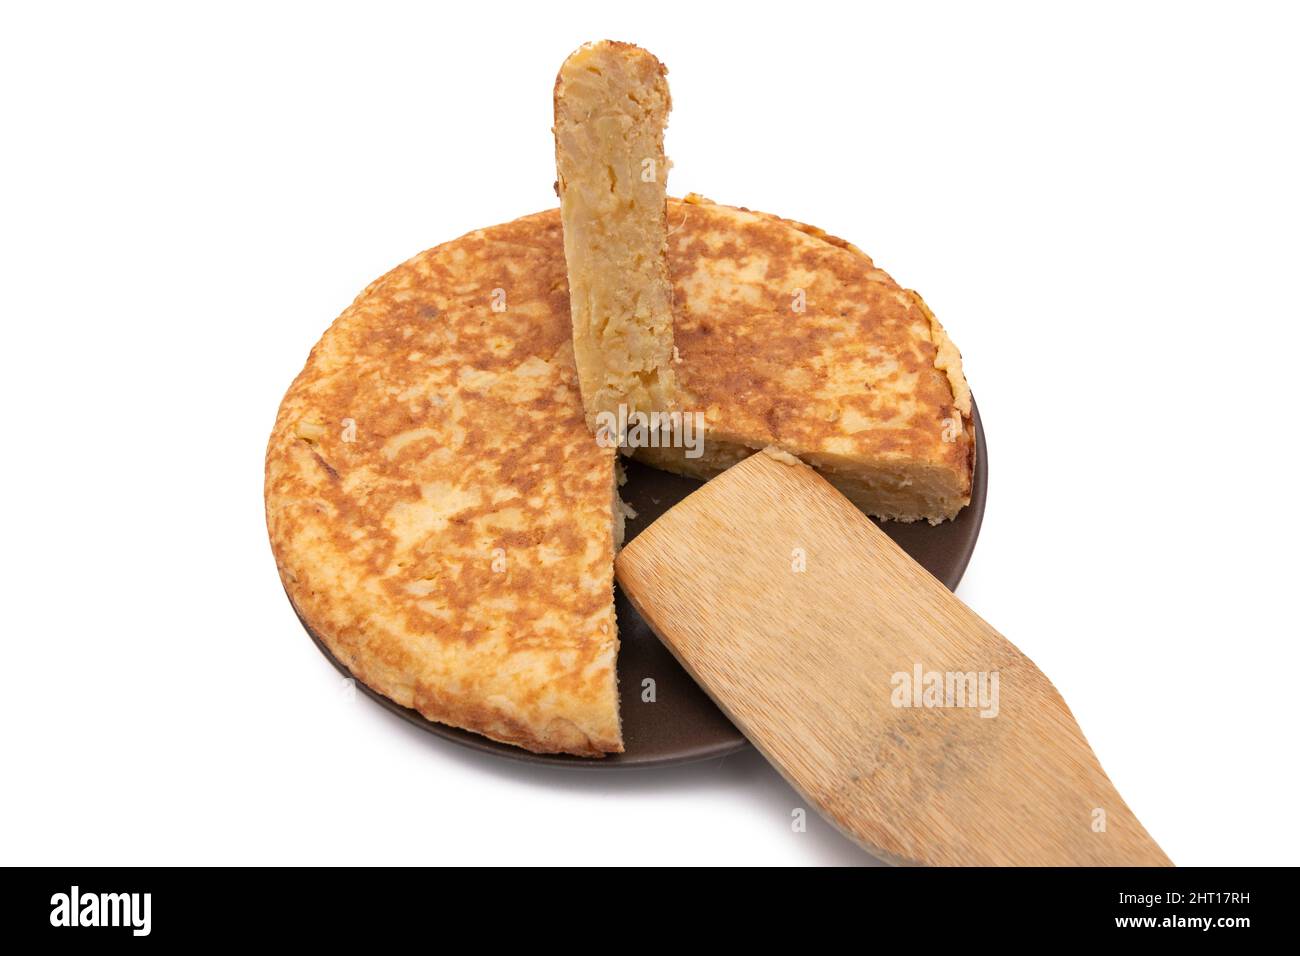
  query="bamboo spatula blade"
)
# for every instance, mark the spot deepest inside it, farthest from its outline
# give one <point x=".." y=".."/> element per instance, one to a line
<point x="905" y="719"/>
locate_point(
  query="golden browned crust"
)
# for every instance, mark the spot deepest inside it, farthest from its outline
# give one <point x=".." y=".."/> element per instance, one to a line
<point x="456" y="554"/>
<point x="791" y="337"/>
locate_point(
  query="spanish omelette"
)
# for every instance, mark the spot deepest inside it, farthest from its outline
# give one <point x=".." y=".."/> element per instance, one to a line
<point x="445" y="522"/>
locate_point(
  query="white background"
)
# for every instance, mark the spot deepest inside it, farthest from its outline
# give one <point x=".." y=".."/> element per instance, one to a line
<point x="1100" y="205"/>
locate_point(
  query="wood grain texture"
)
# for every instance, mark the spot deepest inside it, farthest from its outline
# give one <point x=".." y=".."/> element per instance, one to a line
<point x="806" y="662"/>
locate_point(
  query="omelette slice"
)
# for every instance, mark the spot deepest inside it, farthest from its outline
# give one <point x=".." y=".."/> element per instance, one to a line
<point x="791" y="337"/>
<point x="441" y="515"/>
<point x="611" y="107"/>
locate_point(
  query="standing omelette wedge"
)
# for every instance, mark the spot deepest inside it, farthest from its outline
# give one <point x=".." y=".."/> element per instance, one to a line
<point x="444" y="520"/>
<point x="611" y="106"/>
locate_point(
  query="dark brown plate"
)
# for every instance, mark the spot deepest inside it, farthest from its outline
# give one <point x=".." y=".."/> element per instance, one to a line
<point x="683" y="725"/>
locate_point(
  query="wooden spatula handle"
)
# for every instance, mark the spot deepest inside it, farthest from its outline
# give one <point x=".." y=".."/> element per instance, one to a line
<point x="821" y="639"/>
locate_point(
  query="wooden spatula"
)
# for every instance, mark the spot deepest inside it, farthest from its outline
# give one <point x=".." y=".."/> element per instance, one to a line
<point x="913" y="726"/>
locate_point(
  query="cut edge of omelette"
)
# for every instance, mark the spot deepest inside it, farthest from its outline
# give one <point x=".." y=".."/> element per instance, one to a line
<point x="611" y="106"/>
